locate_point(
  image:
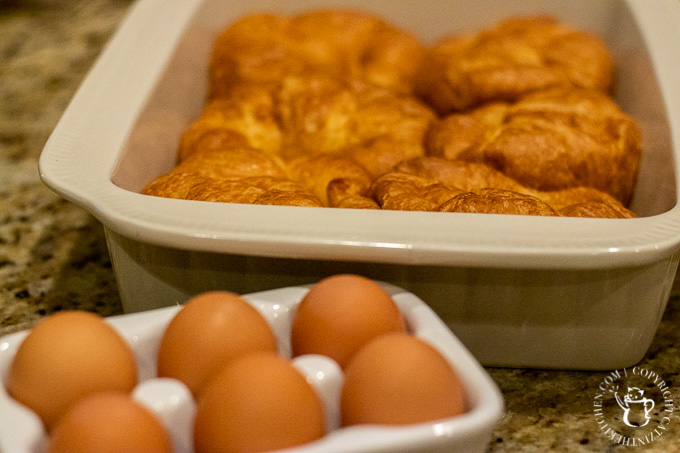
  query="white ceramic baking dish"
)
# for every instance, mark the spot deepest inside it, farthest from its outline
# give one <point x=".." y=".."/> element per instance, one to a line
<point x="518" y="291"/>
<point x="22" y="432"/>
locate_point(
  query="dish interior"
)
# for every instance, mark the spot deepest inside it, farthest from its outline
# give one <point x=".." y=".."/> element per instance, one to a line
<point x="180" y="90"/>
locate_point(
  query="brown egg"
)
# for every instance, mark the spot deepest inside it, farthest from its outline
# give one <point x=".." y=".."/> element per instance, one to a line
<point x="399" y="379"/>
<point x="340" y="314"/>
<point x="66" y="357"/>
<point x="109" y="422"/>
<point x="257" y="402"/>
<point x="211" y="329"/>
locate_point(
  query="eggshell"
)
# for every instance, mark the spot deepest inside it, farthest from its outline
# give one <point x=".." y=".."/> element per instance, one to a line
<point x="211" y="329"/>
<point x="340" y="314"/>
<point x="66" y="357"/>
<point x="109" y="422"/>
<point x="257" y="402"/>
<point x="398" y="379"/>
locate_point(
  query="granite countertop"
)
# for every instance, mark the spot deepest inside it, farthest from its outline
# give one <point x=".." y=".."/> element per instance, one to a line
<point x="53" y="255"/>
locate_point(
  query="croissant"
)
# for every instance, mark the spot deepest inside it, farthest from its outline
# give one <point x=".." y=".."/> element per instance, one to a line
<point x="549" y="141"/>
<point x="233" y="175"/>
<point x="341" y="44"/>
<point x="330" y="136"/>
<point x="510" y="60"/>
<point x="310" y="115"/>
<point x="436" y="184"/>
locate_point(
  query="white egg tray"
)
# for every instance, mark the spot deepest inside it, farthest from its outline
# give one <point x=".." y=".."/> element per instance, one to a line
<point x="517" y="290"/>
<point x="21" y="431"/>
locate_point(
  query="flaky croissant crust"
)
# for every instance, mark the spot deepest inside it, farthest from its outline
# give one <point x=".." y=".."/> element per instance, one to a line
<point x="514" y="58"/>
<point x="341" y="44"/>
<point x="549" y="141"/>
<point x="436" y="184"/>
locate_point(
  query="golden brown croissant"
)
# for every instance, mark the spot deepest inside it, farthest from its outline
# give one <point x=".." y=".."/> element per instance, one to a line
<point x="436" y="184"/>
<point x="249" y="190"/>
<point x="311" y="115"/>
<point x="234" y="175"/>
<point x="550" y="140"/>
<point x="342" y="44"/>
<point x="323" y="133"/>
<point x="506" y="62"/>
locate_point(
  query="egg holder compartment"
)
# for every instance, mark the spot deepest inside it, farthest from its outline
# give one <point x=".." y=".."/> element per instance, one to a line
<point x="22" y="432"/>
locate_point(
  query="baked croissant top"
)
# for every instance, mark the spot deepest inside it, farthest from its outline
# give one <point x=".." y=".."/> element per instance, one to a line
<point x="505" y="62"/>
<point x="341" y="44"/>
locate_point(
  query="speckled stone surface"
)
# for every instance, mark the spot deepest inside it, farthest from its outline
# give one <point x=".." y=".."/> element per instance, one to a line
<point x="53" y="255"/>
